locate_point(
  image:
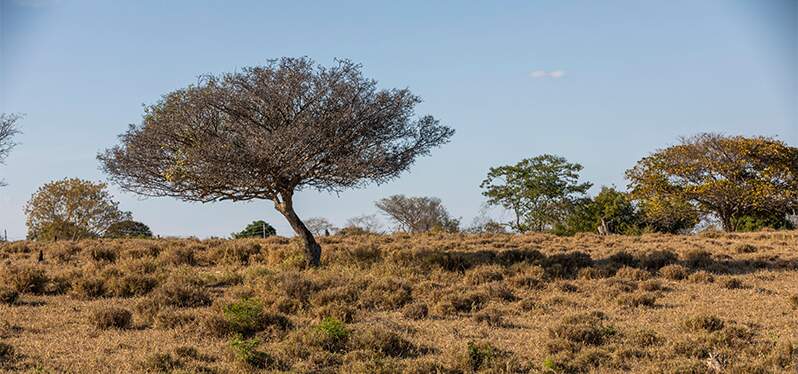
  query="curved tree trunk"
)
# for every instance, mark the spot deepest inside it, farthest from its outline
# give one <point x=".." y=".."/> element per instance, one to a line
<point x="312" y="248"/>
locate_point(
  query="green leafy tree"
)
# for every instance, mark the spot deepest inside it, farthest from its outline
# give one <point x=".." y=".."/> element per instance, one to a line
<point x="540" y="191"/>
<point x="726" y="176"/>
<point x="128" y="229"/>
<point x="256" y="229"/>
<point x="72" y="209"/>
<point x="611" y="210"/>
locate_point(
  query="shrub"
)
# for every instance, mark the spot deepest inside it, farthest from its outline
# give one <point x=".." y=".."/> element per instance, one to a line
<point x="244" y="316"/>
<point x="744" y="248"/>
<point x="238" y="252"/>
<point x="169" y="319"/>
<point x="25" y="279"/>
<point x="698" y="258"/>
<point x="90" y="288"/>
<point x="583" y="328"/>
<point x="334" y="334"/>
<point x="707" y="323"/>
<point x="794" y="301"/>
<point x="112" y="317"/>
<point x="655" y="260"/>
<point x="132" y="285"/>
<point x="179" y="256"/>
<point x="102" y="254"/>
<point x="638" y="299"/>
<point x="480" y="355"/>
<point x="651" y="285"/>
<point x="384" y="342"/>
<point x="462" y="302"/>
<point x="8" y="295"/>
<point x="180" y="293"/>
<point x="6" y="353"/>
<point x="491" y="316"/>
<point x="420" y="311"/>
<point x="633" y="274"/>
<point x="484" y="274"/>
<point x="732" y="283"/>
<point x="161" y="363"/>
<point x="702" y="277"/>
<point x="674" y="272"/>
<point x="386" y="294"/>
<point x="245" y="350"/>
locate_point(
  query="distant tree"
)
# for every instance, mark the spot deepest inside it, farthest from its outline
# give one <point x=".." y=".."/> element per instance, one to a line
<point x="256" y="229"/>
<point x="367" y="223"/>
<point x="418" y="214"/>
<point x="610" y="210"/>
<point x="540" y="191"/>
<point x="726" y="176"/>
<point x="668" y="213"/>
<point x="8" y="128"/>
<point x="71" y="209"/>
<point x="266" y="132"/>
<point x="319" y="226"/>
<point x="128" y="229"/>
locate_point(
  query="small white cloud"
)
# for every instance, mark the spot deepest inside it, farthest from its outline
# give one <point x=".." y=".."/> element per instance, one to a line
<point x="554" y="74"/>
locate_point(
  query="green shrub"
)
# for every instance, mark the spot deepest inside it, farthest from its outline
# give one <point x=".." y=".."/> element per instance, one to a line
<point x="256" y="229"/>
<point x="244" y="316"/>
<point x="480" y="355"/>
<point x="246" y="350"/>
<point x="128" y="229"/>
<point x="334" y="333"/>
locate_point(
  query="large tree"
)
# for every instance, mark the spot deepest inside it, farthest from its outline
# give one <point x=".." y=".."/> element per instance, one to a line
<point x="71" y="209"/>
<point x="8" y="128"/>
<point x="727" y="176"/>
<point x="540" y="191"/>
<point x="418" y="214"/>
<point x="266" y="132"/>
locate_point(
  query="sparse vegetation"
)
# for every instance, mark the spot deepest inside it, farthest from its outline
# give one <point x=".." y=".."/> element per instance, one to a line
<point x="451" y="303"/>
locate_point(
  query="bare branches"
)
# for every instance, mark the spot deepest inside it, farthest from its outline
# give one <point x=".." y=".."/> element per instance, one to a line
<point x="8" y="130"/>
<point x="287" y="125"/>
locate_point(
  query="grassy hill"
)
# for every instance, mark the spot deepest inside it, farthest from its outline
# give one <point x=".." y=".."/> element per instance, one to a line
<point x="450" y="303"/>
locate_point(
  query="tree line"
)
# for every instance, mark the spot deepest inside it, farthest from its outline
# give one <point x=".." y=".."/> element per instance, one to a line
<point x="266" y="132"/>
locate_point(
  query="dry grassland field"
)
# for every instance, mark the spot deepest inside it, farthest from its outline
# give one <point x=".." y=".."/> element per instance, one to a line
<point x="432" y="303"/>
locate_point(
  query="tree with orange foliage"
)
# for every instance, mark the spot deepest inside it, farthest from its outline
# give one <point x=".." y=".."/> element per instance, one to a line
<point x="731" y="177"/>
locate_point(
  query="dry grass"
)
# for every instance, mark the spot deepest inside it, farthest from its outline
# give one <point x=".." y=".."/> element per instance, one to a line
<point x="448" y="303"/>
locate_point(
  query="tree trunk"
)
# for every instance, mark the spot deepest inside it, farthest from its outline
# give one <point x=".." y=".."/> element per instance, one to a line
<point x="312" y="248"/>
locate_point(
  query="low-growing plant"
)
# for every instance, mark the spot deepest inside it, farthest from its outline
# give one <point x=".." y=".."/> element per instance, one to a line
<point x="8" y="296"/>
<point x="246" y="350"/>
<point x="674" y="272"/>
<point x="732" y="283"/>
<point x="704" y="322"/>
<point x="334" y="333"/>
<point x="25" y="279"/>
<point x="646" y="299"/>
<point x="181" y="293"/>
<point x="480" y="355"/>
<point x="745" y="248"/>
<point x="90" y="287"/>
<point x="112" y="318"/>
<point x="415" y="311"/>
<point x="702" y="277"/>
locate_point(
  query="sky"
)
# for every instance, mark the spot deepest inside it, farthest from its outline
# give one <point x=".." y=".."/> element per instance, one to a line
<point x="600" y="83"/>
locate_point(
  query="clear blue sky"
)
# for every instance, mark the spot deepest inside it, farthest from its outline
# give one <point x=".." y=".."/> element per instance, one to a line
<point x="601" y="83"/>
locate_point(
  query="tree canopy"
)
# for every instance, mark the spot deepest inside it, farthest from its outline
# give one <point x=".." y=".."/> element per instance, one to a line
<point x="8" y="129"/>
<point x="128" y="229"/>
<point x="540" y="191"/>
<point x="418" y="214"/>
<point x="730" y="177"/>
<point x="72" y="209"/>
<point x="256" y="229"/>
<point x="265" y="132"/>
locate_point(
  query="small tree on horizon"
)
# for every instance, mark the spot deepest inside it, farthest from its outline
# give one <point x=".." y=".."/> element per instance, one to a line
<point x="72" y="209"/>
<point x="266" y="132"/>
<point x="256" y="229"/>
<point x="539" y="191"/>
<point x="418" y="214"/>
<point x="128" y="229"/>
